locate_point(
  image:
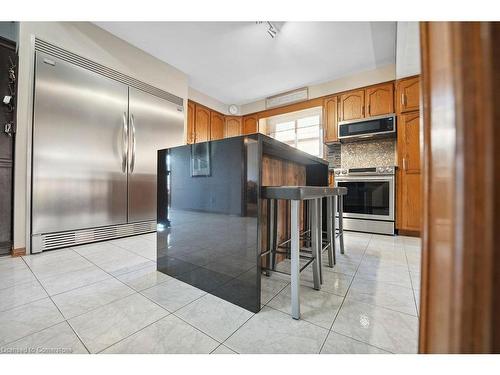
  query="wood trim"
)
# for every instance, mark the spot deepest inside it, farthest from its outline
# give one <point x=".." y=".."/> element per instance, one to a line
<point x="409" y="233"/>
<point x="315" y="102"/>
<point x="20" y="251"/>
<point x="460" y="303"/>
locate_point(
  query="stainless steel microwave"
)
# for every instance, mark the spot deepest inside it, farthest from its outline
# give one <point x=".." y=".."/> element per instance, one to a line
<point x="373" y="127"/>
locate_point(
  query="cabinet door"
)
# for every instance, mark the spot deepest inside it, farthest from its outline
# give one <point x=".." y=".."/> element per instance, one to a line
<point x="233" y="126"/>
<point x="202" y="123"/>
<point x="330" y="106"/>
<point x="190" y="132"/>
<point x="250" y="125"/>
<point x="380" y="100"/>
<point x="408" y="94"/>
<point x="352" y="105"/>
<point x="411" y="131"/>
<point x="409" y="162"/>
<point x="216" y="126"/>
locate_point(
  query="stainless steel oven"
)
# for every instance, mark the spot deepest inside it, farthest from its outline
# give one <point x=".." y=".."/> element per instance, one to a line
<point x="374" y="127"/>
<point x="369" y="205"/>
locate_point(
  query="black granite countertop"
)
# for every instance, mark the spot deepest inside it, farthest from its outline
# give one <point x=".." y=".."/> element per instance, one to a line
<point x="277" y="148"/>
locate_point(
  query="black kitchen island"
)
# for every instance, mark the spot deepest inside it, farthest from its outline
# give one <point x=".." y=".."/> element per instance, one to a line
<point x="211" y="219"/>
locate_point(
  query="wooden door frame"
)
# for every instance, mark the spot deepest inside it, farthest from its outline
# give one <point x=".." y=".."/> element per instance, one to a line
<point x="460" y="301"/>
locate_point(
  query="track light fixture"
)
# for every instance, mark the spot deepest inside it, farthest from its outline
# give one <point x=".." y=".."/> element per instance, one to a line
<point x="271" y="29"/>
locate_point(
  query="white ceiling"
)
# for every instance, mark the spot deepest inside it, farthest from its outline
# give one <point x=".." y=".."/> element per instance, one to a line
<point x="237" y="62"/>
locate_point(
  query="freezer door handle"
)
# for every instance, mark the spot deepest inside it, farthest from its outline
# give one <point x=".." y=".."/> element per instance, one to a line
<point x="132" y="157"/>
<point x="124" y="143"/>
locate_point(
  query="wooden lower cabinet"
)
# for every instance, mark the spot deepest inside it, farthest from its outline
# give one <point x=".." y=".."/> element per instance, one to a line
<point x="408" y="184"/>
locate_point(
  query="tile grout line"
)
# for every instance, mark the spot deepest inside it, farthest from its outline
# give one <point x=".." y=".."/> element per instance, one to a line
<point x="67" y="320"/>
<point x="140" y="292"/>
<point x="133" y="333"/>
<point x="58" y="309"/>
<point x="345" y="296"/>
<point x="411" y="283"/>
<point x="237" y="329"/>
<point x="118" y="299"/>
<point x="205" y="333"/>
<point x="362" y="342"/>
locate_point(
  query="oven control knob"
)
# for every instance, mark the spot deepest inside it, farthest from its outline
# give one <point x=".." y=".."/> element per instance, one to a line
<point x="388" y="169"/>
<point x="344" y="171"/>
<point x="380" y="169"/>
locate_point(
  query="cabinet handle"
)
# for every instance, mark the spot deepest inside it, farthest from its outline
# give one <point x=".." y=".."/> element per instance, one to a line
<point x="404" y="164"/>
<point x="369" y="109"/>
<point x="403" y="99"/>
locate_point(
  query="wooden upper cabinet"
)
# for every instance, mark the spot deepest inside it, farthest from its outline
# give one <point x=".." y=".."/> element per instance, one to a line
<point x="233" y="126"/>
<point x="408" y="94"/>
<point x="330" y="106"/>
<point x="250" y="125"/>
<point x="379" y="100"/>
<point x="216" y="126"/>
<point x="202" y="123"/>
<point x="352" y="105"/>
<point x="190" y="132"/>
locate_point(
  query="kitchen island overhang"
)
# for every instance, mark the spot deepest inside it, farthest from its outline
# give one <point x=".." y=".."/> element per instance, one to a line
<point x="211" y="218"/>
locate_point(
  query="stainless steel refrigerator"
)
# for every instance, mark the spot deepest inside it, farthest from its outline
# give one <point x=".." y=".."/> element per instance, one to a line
<point x="95" y="142"/>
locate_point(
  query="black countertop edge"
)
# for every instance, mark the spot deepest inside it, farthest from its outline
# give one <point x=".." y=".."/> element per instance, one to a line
<point x="276" y="148"/>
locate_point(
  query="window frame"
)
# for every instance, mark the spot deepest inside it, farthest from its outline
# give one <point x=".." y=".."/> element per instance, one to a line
<point x="294" y="117"/>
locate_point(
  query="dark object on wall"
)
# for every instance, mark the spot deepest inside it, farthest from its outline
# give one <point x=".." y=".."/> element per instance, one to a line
<point x="8" y="89"/>
<point x="200" y="159"/>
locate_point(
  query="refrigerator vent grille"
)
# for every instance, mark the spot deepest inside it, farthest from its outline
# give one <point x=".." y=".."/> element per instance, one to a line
<point x="71" y="238"/>
<point x="62" y="54"/>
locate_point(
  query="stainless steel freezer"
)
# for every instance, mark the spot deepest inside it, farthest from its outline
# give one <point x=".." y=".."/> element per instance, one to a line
<point x="95" y="142"/>
<point x="154" y="125"/>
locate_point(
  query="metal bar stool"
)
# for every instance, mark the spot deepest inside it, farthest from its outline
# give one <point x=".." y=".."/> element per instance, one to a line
<point x="296" y="195"/>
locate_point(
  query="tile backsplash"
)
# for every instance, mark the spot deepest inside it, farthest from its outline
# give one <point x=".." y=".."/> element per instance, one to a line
<point x="370" y="153"/>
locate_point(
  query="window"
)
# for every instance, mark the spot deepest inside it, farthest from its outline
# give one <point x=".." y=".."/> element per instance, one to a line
<point x="301" y="129"/>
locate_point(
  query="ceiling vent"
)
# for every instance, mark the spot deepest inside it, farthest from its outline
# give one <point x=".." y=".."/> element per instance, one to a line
<point x="286" y="98"/>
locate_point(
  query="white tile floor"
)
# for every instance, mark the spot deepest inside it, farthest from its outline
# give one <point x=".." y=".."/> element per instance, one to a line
<point x="109" y="298"/>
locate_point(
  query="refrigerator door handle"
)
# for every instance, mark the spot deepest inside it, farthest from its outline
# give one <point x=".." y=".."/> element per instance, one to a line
<point x="125" y="142"/>
<point x="132" y="158"/>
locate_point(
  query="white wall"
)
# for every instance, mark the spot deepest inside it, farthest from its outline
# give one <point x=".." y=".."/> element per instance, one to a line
<point x="407" y="49"/>
<point x="208" y="101"/>
<point x="8" y="30"/>
<point x="366" y="78"/>
<point x="95" y="44"/>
